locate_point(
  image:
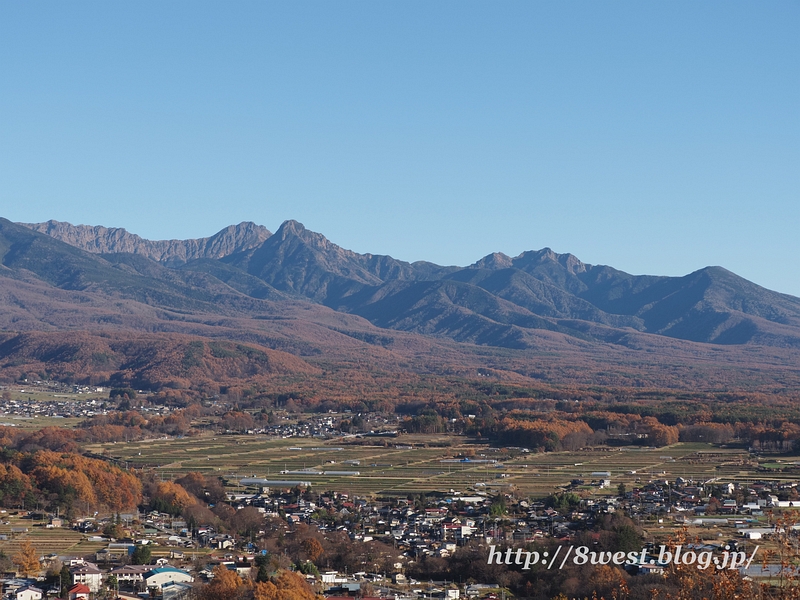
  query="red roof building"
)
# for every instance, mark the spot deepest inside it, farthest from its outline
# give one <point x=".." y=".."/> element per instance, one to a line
<point x="78" y="591"/>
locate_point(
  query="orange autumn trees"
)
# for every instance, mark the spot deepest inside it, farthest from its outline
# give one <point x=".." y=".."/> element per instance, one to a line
<point x="227" y="585"/>
<point x="65" y="479"/>
<point x="113" y="488"/>
<point x="312" y="548"/>
<point x="15" y="486"/>
<point x="174" y="494"/>
<point x="71" y="486"/>
<point x="658" y="434"/>
<point x="570" y="430"/>
<point x="171" y="497"/>
<point x="285" y="586"/>
<point x="540" y="433"/>
<point x="27" y="560"/>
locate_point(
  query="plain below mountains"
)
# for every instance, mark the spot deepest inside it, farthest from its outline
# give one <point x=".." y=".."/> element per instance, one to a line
<point x="245" y="272"/>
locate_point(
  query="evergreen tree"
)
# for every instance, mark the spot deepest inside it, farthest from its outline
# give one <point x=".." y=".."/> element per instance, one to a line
<point x="141" y="555"/>
<point x="66" y="581"/>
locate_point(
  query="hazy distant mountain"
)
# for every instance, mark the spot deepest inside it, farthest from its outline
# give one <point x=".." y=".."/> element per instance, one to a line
<point x="105" y="240"/>
<point x="497" y="301"/>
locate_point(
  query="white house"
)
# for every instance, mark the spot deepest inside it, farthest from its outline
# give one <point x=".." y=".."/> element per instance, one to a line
<point x="28" y="593"/>
<point x="130" y="574"/>
<point x="88" y="574"/>
<point x="332" y="577"/>
<point x="158" y="577"/>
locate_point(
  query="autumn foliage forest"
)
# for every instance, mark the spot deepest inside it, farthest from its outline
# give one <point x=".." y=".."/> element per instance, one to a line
<point x="45" y="467"/>
<point x="203" y="387"/>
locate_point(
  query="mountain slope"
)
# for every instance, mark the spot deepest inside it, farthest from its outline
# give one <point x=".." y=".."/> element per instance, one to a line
<point x="453" y="309"/>
<point x="152" y="361"/>
<point x="25" y="253"/>
<point x="540" y="297"/>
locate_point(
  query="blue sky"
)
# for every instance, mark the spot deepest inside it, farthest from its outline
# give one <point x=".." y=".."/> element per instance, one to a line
<point x="655" y="137"/>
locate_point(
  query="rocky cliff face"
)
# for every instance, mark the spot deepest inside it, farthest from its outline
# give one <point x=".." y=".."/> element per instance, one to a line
<point x="106" y="240"/>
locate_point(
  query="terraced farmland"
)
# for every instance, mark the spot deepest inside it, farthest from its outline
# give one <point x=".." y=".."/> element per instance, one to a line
<point x="46" y="541"/>
<point x="415" y="463"/>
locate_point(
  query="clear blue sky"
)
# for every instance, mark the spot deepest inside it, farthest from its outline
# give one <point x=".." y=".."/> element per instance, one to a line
<point x="657" y="137"/>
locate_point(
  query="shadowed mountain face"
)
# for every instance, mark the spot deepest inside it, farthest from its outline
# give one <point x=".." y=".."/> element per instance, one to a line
<point x="497" y="301"/>
<point x="301" y="261"/>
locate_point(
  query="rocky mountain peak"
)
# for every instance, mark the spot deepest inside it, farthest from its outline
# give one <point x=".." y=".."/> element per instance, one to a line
<point x="531" y="258"/>
<point x="291" y="227"/>
<point x="316" y="241"/>
<point x="572" y="263"/>
<point x="495" y="260"/>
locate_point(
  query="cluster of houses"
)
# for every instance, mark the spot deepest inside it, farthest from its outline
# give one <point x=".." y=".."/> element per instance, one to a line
<point x="320" y="426"/>
<point x="684" y="496"/>
<point x="448" y="520"/>
<point x="29" y="409"/>
<point x="437" y="528"/>
<point x="416" y="527"/>
<point x="87" y="579"/>
<point x="48" y="385"/>
<point x="63" y="406"/>
<point x="136" y="577"/>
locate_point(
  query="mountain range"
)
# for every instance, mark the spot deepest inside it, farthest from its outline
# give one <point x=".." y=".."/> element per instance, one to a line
<point x="495" y="301"/>
<point x="296" y="291"/>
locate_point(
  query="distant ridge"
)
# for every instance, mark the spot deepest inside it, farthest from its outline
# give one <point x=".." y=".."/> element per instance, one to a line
<point x="110" y="240"/>
<point x="497" y="301"/>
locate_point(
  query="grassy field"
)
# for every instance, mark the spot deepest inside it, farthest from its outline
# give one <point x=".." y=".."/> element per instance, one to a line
<point x="413" y="463"/>
<point x="36" y="423"/>
<point x="43" y="395"/>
